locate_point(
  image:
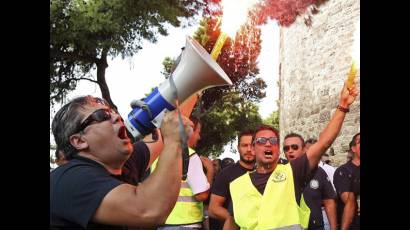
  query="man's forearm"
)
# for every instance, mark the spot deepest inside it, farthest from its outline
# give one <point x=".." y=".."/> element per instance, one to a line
<point x="348" y="215"/>
<point x="230" y="224"/>
<point x="326" y="138"/>
<point x="330" y="209"/>
<point x="218" y="212"/>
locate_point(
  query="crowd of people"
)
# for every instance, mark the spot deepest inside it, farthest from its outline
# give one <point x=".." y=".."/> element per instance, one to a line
<point x="104" y="181"/>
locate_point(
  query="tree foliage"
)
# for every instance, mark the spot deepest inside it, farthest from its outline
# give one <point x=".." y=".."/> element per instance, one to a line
<point x="221" y="124"/>
<point x="232" y="109"/>
<point x="286" y="11"/>
<point x="272" y="119"/>
<point x="225" y="111"/>
<point x="238" y="59"/>
<point x="84" y="33"/>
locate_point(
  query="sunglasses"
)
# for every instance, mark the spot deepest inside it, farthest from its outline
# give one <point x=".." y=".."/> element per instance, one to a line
<point x="287" y="147"/>
<point x="98" y="115"/>
<point x="263" y="140"/>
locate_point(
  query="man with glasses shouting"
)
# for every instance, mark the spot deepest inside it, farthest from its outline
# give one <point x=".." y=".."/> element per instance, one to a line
<point x="318" y="191"/>
<point x="89" y="192"/>
<point x="270" y="197"/>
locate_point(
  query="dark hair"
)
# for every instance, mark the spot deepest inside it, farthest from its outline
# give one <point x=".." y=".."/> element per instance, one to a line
<point x="353" y="141"/>
<point x="264" y="127"/>
<point x="246" y="132"/>
<point x="67" y="121"/>
<point x="218" y="160"/>
<point x="295" y="135"/>
<point x="226" y="162"/>
<point x="310" y="141"/>
<point x="58" y="154"/>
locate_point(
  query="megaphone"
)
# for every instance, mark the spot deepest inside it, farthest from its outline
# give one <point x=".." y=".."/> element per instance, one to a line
<point x="195" y="71"/>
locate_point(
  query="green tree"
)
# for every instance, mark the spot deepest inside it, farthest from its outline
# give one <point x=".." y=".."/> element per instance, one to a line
<point x="223" y="122"/>
<point x="84" y="33"/>
<point x="168" y="63"/>
<point x="226" y="111"/>
<point x="273" y="119"/>
<point x="238" y="59"/>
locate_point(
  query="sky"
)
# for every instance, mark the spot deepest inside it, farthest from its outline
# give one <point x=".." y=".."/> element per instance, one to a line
<point x="133" y="77"/>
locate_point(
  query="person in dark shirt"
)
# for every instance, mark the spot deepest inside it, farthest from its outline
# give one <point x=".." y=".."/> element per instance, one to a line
<point x="226" y="162"/>
<point x="265" y="145"/>
<point x="217" y="166"/>
<point x="318" y="191"/>
<point x="220" y="196"/>
<point x="97" y="189"/>
<point x="347" y="183"/>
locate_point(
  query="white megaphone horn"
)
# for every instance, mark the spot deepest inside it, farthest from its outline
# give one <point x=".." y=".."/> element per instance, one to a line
<point x="195" y="71"/>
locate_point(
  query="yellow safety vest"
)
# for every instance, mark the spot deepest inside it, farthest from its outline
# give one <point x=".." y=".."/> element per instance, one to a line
<point x="187" y="209"/>
<point x="276" y="209"/>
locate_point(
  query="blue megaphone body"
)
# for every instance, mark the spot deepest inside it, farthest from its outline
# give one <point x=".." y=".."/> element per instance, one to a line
<point x="195" y="71"/>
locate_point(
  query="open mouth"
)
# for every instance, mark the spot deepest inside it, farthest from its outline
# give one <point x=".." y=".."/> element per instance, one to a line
<point x="122" y="133"/>
<point x="268" y="154"/>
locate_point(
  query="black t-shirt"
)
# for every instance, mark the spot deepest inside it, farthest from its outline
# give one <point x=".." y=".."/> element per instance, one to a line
<point x="220" y="187"/>
<point x="301" y="175"/>
<point x="347" y="179"/>
<point x="78" y="187"/>
<point x="135" y="169"/>
<point x="318" y="189"/>
<point x="227" y="175"/>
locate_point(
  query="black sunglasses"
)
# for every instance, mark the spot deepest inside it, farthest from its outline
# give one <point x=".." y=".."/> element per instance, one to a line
<point x="263" y="140"/>
<point x="287" y="147"/>
<point x="98" y="115"/>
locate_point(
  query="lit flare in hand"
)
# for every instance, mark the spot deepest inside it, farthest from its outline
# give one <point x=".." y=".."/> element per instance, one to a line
<point x="352" y="74"/>
<point x="355" y="56"/>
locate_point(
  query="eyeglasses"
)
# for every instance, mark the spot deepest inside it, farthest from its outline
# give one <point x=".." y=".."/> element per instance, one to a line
<point x="263" y="140"/>
<point x="98" y="115"/>
<point x="287" y="147"/>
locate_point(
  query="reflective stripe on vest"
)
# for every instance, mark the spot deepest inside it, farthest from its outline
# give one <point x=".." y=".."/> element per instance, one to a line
<point x="187" y="209"/>
<point x="276" y="209"/>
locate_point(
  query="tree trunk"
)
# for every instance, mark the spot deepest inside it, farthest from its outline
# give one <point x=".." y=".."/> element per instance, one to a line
<point x="102" y="64"/>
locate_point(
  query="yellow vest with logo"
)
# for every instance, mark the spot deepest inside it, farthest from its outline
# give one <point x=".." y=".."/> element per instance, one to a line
<point x="276" y="209"/>
<point x="187" y="209"/>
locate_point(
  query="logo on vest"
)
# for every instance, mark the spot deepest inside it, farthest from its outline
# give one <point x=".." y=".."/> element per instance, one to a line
<point x="314" y="184"/>
<point x="278" y="176"/>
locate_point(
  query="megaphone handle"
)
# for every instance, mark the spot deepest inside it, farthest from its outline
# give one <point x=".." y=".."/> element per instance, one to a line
<point x="184" y="146"/>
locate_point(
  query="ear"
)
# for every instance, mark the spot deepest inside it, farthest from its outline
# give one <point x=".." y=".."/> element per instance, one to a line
<point x="77" y="140"/>
<point x="304" y="149"/>
<point x="354" y="149"/>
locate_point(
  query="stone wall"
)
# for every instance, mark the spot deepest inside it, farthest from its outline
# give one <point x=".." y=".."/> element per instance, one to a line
<point x="314" y="62"/>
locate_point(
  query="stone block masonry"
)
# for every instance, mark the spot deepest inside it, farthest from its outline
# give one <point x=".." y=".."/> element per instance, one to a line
<point x="314" y="62"/>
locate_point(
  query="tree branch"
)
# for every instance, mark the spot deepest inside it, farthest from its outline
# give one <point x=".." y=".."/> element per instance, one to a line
<point x="83" y="78"/>
<point x="72" y="56"/>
